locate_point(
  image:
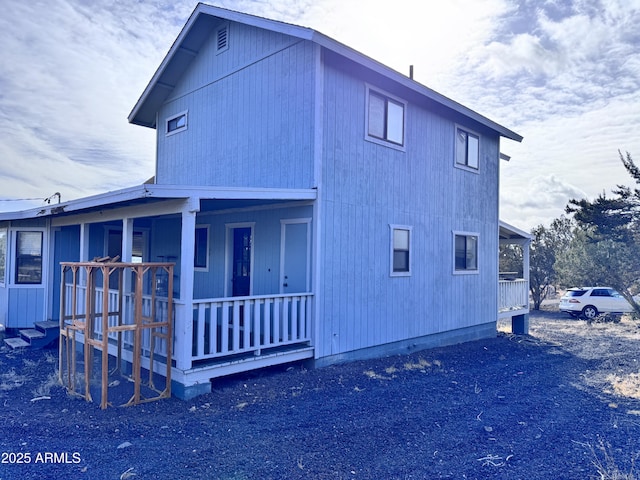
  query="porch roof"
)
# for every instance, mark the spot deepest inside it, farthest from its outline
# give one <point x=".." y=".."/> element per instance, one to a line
<point x="207" y="198"/>
<point x="509" y="232"/>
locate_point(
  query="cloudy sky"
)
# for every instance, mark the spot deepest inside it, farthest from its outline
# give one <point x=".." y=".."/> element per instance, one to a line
<point x="565" y="74"/>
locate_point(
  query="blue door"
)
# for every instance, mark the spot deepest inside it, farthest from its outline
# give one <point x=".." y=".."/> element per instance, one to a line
<point x="241" y="262"/>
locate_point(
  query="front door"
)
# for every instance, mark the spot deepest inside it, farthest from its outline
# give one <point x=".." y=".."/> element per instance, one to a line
<point x="241" y="262"/>
<point x="295" y="258"/>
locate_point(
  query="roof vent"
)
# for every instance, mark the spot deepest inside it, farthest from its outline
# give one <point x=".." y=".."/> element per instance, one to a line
<point x="222" y="38"/>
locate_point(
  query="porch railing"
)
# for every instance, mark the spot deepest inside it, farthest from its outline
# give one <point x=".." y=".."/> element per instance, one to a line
<point x="128" y="307"/>
<point x="241" y="325"/>
<point x="222" y="327"/>
<point x="513" y="295"/>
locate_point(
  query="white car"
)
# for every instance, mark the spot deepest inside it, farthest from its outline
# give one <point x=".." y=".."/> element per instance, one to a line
<point x="591" y="301"/>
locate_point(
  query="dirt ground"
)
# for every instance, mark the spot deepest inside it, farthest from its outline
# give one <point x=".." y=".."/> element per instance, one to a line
<point x="563" y="402"/>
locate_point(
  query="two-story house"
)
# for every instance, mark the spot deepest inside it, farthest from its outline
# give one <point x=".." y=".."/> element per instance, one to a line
<point x="317" y="205"/>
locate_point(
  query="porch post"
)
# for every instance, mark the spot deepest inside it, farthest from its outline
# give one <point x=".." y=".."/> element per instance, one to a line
<point x="84" y="250"/>
<point x="127" y="239"/>
<point x="184" y="310"/>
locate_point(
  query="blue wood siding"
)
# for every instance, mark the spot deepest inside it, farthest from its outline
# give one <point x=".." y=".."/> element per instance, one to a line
<point x="367" y="187"/>
<point x="250" y="117"/>
<point x="165" y="246"/>
<point x="26" y="306"/>
<point x="66" y="249"/>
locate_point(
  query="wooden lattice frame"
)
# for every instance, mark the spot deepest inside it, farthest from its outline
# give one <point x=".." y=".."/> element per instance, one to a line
<point x="84" y="322"/>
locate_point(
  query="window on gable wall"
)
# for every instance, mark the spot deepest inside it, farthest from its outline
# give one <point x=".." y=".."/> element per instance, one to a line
<point x="385" y="118"/>
<point x="28" y="257"/>
<point x="466" y="253"/>
<point x="177" y="123"/>
<point x="467" y="149"/>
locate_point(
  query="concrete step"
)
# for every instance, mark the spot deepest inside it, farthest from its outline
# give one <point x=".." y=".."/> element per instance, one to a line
<point x="16" y="342"/>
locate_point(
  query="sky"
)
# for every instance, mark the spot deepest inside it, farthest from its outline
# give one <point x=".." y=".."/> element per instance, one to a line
<point x="564" y="74"/>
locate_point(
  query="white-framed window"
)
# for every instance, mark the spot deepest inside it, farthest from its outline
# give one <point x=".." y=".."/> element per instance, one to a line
<point x="465" y="247"/>
<point x="385" y="119"/>
<point x="3" y="254"/>
<point x="177" y="123"/>
<point x="400" y="250"/>
<point x="222" y="38"/>
<point x="28" y="264"/>
<point x="467" y="149"/>
<point x="201" y="251"/>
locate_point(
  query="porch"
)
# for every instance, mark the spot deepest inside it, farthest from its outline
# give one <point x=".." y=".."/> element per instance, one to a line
<point x="225" y="335"/>
<point x="513" y="287"/>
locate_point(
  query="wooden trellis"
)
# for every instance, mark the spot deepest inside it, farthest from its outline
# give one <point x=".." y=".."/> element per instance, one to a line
<point x="130" y="314"/>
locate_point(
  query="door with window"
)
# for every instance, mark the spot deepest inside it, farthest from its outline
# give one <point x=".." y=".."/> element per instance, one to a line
<point x="241" y="262"/>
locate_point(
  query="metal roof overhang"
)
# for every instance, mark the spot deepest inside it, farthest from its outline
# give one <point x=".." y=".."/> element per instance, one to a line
<point x="205" y="198"/>
<point x="509" y="232"/>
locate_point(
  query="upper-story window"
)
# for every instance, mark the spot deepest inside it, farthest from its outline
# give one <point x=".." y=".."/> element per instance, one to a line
<point x="385" y="118"/>
<point x="467" y="149"/>
<point x="177" y="123"/>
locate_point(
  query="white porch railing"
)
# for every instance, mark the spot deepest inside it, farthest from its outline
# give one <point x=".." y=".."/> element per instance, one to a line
<point x="221" y="327"/>
<point x="513" y="295"/>
<point x="230" y="326"/>
<point x="128" y="305"/>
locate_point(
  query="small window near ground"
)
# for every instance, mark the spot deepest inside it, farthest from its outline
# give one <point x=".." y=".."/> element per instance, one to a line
<point x="177" y="123"/>
<point x="3" y="254"/>
<point x="400" y="250"/>
<point x="201" y="253"/>
<point x="466" y="253"/>
<point x="467" y="149"/>
<point x="28" y="258"/>
<point x="385" y="119"/>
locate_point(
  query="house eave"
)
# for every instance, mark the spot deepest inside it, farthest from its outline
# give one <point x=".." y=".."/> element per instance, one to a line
<point x="143" y="112"/>
<point x="160" y="192"/>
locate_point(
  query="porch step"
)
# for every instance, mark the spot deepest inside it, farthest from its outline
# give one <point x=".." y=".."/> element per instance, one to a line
<point x="42" y="335"/>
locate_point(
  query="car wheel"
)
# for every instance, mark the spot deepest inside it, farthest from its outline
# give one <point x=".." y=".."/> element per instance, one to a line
<point x="590" y="312"/>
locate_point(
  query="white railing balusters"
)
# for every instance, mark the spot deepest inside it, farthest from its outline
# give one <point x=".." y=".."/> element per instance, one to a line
<point x="250" y="324"/>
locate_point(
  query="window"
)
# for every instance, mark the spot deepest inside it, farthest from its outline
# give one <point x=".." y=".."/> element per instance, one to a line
<point x="29" y="258"/>
<point x="466" y="253"/>
<point x="201" y="252"/>
<point x="400" y="251"/>
<point x="3" y="254"/>
<point x="177" y="123"/>
<point x="222" y="39"/>
<point x="385" y="119"/>
<point x="467" y="149"/>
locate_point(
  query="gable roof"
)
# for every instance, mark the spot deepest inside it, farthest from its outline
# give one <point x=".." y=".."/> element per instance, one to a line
<point x="198" y="28"/>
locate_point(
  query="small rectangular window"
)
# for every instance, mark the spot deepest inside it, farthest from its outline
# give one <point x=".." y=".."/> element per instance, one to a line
<point x="385" y="119"/>
<point x="467" y="149"/>
<point x="177" y="123"/>
<point x="466" y="252"/>
<point x="29" y="258"/>
<point x="400" y="250"/>
<point x="201" y="252"/>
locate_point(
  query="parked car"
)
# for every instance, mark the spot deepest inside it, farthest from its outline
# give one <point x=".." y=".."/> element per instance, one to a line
<point x="591" y="301"/>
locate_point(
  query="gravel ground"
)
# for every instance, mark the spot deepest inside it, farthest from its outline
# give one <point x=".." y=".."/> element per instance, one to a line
<point x="563" y="402"/>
